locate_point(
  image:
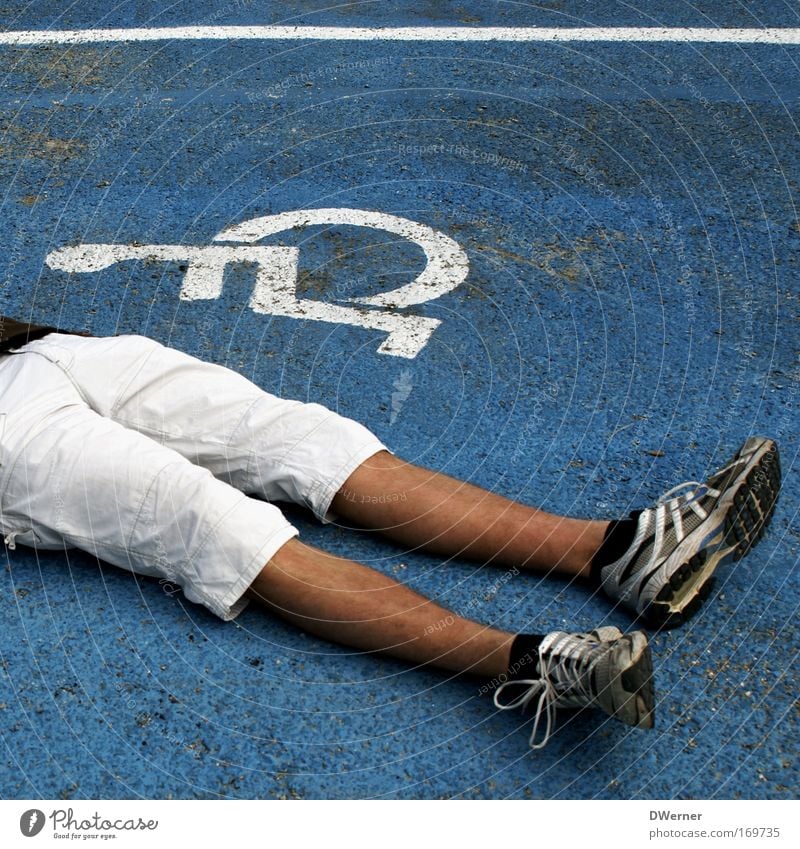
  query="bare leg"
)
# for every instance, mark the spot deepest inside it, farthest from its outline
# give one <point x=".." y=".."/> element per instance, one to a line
<point x="355" y="605"/>
<point x="437" y="513"/>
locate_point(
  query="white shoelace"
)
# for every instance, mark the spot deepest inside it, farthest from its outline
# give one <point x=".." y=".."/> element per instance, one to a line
<point x="695" y="490"/>
<point x="544" y="688"/>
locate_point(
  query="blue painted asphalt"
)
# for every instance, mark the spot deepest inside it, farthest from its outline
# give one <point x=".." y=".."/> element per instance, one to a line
<point x="630" y="316"/>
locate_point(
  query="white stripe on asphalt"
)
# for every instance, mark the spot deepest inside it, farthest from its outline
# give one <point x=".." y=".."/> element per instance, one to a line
<point x="710" y="35"/>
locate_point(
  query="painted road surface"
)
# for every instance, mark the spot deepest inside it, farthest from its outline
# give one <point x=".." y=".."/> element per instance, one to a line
<point x="566" y="270"/>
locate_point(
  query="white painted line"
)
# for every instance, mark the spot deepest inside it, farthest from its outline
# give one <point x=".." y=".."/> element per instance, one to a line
<point x="447" y="265"/>
<point x="205" y="265"/>
<point x="712" y="35"/>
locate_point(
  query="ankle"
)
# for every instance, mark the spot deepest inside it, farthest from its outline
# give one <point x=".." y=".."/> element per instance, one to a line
<point x="523" y="658"/>
<point x="617" y="540"/>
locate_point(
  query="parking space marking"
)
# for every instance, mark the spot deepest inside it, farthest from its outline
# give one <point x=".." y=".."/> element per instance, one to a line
<point x="275" y="288"/>
<point x="713" y="35"/>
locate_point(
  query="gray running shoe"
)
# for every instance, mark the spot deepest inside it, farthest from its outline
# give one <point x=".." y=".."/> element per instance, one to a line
<point x="665" y="574"/>
<point x="601" y="669"/>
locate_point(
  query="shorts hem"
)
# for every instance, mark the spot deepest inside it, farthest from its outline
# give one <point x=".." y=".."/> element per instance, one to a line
<point x="234" y="602"/>
<point x="323" y="492"/>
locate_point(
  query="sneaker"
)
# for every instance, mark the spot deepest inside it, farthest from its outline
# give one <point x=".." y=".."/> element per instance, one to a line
<point x="601" y="669"/>
<point x="666" y="573"/>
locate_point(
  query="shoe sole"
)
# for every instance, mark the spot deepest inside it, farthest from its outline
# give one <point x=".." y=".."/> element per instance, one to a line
<point x="630" y="696"/>
<point x="748" y="516"/>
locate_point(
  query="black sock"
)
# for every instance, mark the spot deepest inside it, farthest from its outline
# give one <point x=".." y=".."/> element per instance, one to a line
<point x="617" y="540"/>
<point x="523" y="665"/>
<point x="523" y="661"/>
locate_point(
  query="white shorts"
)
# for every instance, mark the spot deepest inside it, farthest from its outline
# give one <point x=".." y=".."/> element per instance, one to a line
<point x="148" y="458"/>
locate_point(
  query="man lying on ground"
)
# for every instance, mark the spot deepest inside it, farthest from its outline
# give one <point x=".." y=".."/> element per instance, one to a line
<point x="167" y="466"/>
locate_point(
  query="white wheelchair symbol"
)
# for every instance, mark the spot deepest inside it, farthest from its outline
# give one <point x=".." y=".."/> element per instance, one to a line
<point x="275" y="289"/>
